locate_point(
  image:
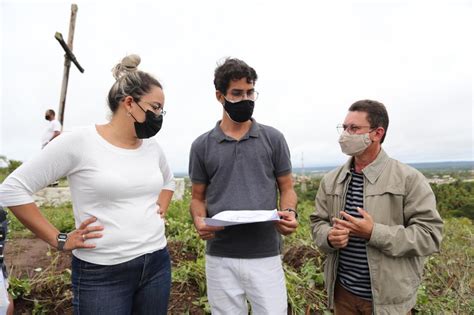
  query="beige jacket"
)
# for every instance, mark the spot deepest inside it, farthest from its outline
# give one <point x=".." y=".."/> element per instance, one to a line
<point x="407" y="227"/>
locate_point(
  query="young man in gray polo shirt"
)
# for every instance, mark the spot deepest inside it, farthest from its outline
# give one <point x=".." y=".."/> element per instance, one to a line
<point x="242" y="165"/>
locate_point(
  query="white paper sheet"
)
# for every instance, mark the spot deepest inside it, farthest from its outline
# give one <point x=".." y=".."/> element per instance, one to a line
<point x="234" y="217"/>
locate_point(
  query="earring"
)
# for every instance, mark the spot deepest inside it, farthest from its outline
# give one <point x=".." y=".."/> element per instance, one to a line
<point x="129" y="114"/>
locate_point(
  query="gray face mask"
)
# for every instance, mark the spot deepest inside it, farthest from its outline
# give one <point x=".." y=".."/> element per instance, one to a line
<point x="354" y="144"/>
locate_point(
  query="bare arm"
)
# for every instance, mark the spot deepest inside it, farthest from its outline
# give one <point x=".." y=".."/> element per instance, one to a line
<point x="288" y="199"/>
<point x="31" y="217"/>
<point x="60" y="158"/>
<point x="199" y="212"/>
<point x="164" y="200"/>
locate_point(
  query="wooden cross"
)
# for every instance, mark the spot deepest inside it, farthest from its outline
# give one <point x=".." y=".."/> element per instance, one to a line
<point x="68" y="57"/>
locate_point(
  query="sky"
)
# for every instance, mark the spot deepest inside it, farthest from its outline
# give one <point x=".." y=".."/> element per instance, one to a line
<point x="313" y="58"/>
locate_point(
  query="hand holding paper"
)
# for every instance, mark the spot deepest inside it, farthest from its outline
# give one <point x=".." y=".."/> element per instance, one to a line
<point x="287" y="224"/>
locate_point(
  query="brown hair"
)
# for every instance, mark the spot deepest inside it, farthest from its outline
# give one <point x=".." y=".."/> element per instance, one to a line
<point x="377" y="115"/>
<point x="232" y="69"/>
<point x="130" y="82"/>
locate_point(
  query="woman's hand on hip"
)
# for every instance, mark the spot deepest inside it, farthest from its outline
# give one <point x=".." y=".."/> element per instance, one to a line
<point x="78" y="237"/>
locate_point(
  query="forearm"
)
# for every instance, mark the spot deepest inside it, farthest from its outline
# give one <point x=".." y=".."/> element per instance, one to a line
<point x="164" y="199"/>
<point x="288" y="199"/>
<point x="30" y="216"/>
<point x="198" y="208"/>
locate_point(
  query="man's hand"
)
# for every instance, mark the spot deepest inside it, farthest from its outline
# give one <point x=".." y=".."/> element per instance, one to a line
<point x="287" y="223"/>
<point x="357" y="227"/>
<point x="205" y="231"/>
<point x="338" y="236"/>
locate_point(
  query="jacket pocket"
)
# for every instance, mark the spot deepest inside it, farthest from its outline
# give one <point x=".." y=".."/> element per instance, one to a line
<point x="397" y="279"/>
<point x="386" y="205"/>
<point x="334" y="204"/>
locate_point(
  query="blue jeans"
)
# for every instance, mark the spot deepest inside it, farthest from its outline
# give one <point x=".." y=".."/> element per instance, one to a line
<point x="139" y="286"/>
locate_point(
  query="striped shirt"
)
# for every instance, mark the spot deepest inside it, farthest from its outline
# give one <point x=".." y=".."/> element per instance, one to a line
<point x="353" y="270"/>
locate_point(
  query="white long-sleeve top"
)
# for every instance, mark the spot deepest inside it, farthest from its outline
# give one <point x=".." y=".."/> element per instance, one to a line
<point x="119" y="187"/>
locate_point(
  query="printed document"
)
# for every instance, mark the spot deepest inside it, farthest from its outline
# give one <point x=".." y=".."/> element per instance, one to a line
<point x="234" y="217"/>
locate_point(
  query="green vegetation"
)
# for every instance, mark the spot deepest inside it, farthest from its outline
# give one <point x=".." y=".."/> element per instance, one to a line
<point x="11" y="165"/>
<point x="456" y="199"/>
<point x="448" y="279"/>
<point x="48" y="291"/>
<point x="61" y="217"/>
<point x="447" y="286"/>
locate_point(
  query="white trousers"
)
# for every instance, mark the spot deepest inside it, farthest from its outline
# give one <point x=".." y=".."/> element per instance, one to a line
<point x="233" y="281"/>
<point x="3" y="294"/>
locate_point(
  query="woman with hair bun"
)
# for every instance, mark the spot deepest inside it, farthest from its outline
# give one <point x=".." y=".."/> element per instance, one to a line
<point x="121" y="186"/>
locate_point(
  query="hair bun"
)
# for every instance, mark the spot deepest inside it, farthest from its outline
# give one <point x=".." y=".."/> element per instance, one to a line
<point x="129" y="64"/>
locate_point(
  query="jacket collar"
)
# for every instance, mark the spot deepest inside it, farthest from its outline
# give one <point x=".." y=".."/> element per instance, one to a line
<point x="220" y="136"/>
<point x="371" y="171"/>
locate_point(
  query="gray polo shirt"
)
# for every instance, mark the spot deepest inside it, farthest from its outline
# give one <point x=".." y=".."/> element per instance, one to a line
<point x="241" y="175"/>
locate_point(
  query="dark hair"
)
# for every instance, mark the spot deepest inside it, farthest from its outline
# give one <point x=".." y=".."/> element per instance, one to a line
<point x="51" y="112"/>
<point x="232" y="69"/>
<point x="377" y="115"/>
<point x="130" y="82"/>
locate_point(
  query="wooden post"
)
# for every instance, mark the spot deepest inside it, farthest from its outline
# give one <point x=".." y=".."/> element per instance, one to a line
<point x="67" y="65"/>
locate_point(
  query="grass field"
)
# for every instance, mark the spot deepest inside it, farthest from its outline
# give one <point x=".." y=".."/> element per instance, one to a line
<point x="447" y="286"/>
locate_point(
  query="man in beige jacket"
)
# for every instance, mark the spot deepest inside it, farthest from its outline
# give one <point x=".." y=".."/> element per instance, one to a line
<point x="376" y="219"/>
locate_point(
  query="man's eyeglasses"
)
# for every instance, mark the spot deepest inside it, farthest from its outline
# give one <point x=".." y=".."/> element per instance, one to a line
<point x="156" y="108"/>
<point x="351" y="129"/>
<point x="235" y="95"/>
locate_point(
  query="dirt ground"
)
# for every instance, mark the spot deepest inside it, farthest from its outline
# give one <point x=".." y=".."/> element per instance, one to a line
<point x="26" y="257"/>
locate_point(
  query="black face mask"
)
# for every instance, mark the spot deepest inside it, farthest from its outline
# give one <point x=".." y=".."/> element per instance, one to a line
<point x="240" y="111"/>
<point x="46" y="117"/>
<point x="150" y="126"/>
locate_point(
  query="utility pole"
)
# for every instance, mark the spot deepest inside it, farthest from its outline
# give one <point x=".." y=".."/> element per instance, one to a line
<point x="68" y="57"/>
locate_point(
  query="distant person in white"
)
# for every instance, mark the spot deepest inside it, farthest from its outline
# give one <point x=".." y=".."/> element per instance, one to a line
<point x="52" y="130"/>
<point x="121" y="186"/>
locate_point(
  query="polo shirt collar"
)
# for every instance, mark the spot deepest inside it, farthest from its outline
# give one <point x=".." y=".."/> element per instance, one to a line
<point x="220" y="136"/>
<point x="254" y="129"/>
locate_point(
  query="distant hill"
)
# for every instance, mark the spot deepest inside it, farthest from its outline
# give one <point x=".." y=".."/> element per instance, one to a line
<point x="434" y="166"/>
<point x="180" y="174"/>
<point x="450" y="165"/>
